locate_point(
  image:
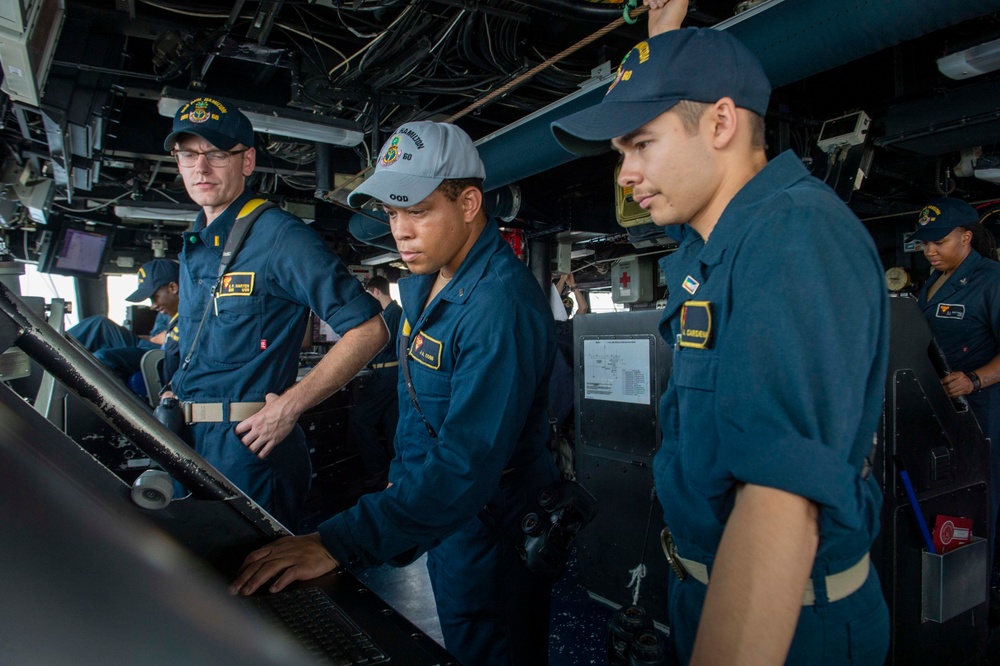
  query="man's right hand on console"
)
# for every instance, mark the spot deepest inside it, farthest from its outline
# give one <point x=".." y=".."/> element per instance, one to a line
<point x="289" y="559"/>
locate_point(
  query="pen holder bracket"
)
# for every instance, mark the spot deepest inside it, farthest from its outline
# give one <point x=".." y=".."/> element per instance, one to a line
<point x="954" y="582"/>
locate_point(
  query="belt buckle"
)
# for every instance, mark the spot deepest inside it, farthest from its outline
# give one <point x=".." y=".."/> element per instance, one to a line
<point x="670" y="550"/>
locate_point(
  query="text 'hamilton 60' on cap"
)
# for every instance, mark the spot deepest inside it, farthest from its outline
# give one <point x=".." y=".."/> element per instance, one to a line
<point x="217" y="121"/>
<point x="153" y="275"/>
<point x="693" y="64"/>
<point x="414" y="161"/>
<point x="941" y="216"/>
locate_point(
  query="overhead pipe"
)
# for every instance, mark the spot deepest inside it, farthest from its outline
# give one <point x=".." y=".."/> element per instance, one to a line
<point x="793" y="40"/>
<point x="587" y="11"/>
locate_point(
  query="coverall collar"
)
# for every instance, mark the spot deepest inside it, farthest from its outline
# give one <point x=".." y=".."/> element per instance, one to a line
<point x="696" y="258"/>
<point x="228" y="216"/>
<point x="414" y="290"/>
<point x="213" y="236"/>
<point x="958" y="279"/>
<point x="782" y="171"/>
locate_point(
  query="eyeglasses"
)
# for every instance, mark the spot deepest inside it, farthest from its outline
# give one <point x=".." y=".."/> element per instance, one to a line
<point x="216" y="158"/>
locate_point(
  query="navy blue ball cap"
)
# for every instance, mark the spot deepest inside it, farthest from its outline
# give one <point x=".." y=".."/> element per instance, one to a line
<point x="941" y="216"/>
<point x="153" y="275"/>
<point x="215" y="120"/>
<point x="694" y="64"/>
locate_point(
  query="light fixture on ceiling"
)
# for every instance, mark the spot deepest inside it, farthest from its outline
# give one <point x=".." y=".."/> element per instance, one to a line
<point x="162" y="213"/>
<point x="972" y="61"/>
<point x="278" y="120"/>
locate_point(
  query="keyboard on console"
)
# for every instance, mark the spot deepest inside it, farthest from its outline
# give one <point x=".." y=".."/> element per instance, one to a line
<point x="320" y="626"/>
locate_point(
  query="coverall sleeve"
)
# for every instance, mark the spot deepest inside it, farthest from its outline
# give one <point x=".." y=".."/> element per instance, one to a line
<point x="809" y="301"/>
<point x="305" y="270"/>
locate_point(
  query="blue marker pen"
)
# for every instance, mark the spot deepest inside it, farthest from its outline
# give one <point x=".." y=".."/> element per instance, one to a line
<point x="913" y="503"/>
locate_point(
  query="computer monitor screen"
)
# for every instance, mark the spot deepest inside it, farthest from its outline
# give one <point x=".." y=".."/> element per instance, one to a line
<point x="76" y="252"/>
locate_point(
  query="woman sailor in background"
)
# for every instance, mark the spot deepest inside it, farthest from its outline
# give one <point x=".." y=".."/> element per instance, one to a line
<point x="961" y="301"/>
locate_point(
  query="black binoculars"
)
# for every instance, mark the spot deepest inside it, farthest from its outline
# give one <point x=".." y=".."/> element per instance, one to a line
<point x="562" y="510"/>
<point x="632" y="640"/>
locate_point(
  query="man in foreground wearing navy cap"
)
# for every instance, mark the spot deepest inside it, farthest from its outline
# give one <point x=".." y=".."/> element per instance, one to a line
<point x="477" y="342"/>
<point x="770" y="507"/>
<point x="237" y="381"/>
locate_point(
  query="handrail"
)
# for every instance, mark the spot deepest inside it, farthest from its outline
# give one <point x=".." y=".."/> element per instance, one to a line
<point x="123" y="411"/>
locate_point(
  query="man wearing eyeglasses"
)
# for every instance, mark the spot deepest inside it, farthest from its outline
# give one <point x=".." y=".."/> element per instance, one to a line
<point x="239" y="391"/>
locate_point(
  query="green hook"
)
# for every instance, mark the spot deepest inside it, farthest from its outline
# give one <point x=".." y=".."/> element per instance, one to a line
<point x="629" y="5"/>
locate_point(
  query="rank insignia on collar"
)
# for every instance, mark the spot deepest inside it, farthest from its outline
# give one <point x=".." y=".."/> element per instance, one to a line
<point x="963" y="281"/>
<point x="690" y="285"/>
<point x="696" y="325"/>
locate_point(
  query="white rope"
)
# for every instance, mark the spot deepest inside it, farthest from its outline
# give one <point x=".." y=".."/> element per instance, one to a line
<point x="637" y="575"/>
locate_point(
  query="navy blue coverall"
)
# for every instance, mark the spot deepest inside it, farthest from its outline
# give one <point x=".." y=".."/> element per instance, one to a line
<point x="964" y="317"/>
<point x="781" y="386"/>
<point x="252" y="337"/>
<point x="480" y="355"/>
<point x="115" y="346"/>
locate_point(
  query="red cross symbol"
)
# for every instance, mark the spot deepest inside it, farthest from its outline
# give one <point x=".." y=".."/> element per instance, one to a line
<point x="624" y="279"/>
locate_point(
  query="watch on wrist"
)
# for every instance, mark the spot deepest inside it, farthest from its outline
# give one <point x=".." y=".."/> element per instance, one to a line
<point x="976" y="382"/>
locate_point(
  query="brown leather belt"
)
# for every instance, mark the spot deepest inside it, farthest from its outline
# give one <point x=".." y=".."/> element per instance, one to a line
<point x="213" y="412"/>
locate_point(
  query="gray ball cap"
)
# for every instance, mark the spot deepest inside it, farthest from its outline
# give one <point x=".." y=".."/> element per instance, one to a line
<point x="414" y="161"/>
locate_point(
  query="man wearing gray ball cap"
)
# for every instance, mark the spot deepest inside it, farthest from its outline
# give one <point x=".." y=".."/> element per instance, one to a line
<point x="770" y="506"/>
<point x="478" y="342"/>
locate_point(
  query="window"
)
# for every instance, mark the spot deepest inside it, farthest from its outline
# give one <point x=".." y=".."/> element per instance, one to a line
<point x="119" y="288"/>
<point x="600" y="301"/>
<point x="49" y="286"/>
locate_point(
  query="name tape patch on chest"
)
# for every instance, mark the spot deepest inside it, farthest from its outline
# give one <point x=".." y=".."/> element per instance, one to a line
<point x="236" y="284"/>
<point x="950" y="311"/>
<point x="426" y="351"/>
<point x="696" y="325"/>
